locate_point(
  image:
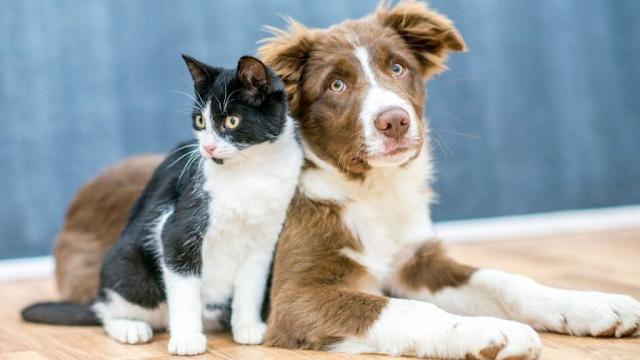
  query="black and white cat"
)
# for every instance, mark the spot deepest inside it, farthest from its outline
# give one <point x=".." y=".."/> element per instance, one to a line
<point x="197" y="249"/>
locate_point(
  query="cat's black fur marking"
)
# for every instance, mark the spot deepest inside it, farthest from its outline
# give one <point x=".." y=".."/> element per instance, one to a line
<point x="224" y="316"/>
<point x="133" y="270"/>
<point x="260" y="99"/>
<point x="262" y="105"/>
<point x="133" y="266"/>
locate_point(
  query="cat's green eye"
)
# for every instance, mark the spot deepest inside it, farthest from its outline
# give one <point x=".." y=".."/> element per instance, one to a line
<point x="231" y="122"/>
<point x="199" y="122"/>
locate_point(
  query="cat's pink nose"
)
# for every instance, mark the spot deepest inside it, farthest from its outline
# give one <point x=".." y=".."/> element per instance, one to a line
<point x="209" y="149"/>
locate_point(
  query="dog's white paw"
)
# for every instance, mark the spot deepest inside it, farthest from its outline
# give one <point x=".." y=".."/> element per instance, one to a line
<point x="187" y="344"/>
<point x="249" y="334"/>
<point x="596" y="314"/>
<point x="492" y="338"/>
<point x="129" y="331"/>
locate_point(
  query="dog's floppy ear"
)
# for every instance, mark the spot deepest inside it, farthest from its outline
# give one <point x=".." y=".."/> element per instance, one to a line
<point x="430" y="35"/>
<point x="286" y="54"/>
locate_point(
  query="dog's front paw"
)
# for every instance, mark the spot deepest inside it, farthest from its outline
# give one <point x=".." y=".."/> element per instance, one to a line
<point x="598" y="314"/>
<point x="249" y="334"/>
<point x="492" y="338"/>
<point x="187" y="344"/>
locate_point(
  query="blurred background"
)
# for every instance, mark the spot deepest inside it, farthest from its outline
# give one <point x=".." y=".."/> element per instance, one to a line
<point x="542" y="114"/>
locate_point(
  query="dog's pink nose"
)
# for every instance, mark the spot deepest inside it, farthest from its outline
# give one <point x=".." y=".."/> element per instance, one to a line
<point x="209" y="149"/>
<point x="393" y="123"/>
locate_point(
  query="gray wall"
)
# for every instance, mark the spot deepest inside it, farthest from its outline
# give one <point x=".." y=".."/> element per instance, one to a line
<point x="540" y="115"/>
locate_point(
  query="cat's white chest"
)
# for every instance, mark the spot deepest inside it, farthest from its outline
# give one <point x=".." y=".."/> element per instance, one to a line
<point x="246" y="212"/>
<point x="231" y="237"/>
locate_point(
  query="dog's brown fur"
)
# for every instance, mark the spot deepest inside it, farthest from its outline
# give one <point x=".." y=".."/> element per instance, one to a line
<point x="320" y="296"/>
<point x="94" y="220"/>
<point x="322" y="293"/>
<point x="308" y="59"/>
<point x="315" y="233"/>
<point x="430" y="267"/>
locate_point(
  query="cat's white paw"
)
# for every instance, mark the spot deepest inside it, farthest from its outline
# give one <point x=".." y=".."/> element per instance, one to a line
<point x="596" y="314"/>
<point x="492" y="338"/>
<point x="187" y="344"/>
<point x="129" y="331"/>
<point x="249" y="334"/>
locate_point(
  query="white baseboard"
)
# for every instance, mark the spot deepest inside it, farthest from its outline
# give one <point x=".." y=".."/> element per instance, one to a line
<point x="28" y="268"/>
<point x="500" y="228"/>
<point x="544" y="224"/>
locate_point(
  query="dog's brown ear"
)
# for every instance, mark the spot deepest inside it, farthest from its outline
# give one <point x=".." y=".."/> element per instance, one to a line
<point x="430" y="35"/>
<point x="286" y="54"/>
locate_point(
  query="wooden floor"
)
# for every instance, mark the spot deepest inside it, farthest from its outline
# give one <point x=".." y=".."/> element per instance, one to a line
<point x="581" y="262"/>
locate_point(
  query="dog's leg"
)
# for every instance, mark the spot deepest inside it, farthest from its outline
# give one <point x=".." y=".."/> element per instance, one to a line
<point x="429" y="275"/>
<point x="350" y="321"/>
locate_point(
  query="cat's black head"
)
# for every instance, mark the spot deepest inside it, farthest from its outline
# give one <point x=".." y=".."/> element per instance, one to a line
<point x="236" y="109"/>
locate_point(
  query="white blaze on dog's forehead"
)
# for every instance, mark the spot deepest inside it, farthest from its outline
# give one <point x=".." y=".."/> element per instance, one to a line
<point x="370" y="107"/>
<point x="378" y="99"/>
<point x="363" y="57"/>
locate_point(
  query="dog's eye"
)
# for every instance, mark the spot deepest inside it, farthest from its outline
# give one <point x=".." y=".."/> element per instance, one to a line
<point x="199" y="122"/>
<point x="231" y="122"/>
<point x="398" y="70"/>
<point x="337" y="85"/>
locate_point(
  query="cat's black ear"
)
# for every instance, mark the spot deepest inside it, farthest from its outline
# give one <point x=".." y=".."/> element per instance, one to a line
<point x="201" y="73"/>
<point x="253" y="77"/>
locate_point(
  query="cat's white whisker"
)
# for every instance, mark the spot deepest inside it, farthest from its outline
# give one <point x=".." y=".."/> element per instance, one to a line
<point x="187" y="154"/>
<point x="192" y="87"/>
<point x="218" y="101"/>
<point x="183" y="93"/>
<point x="183" y="147"/>
<point x="200" y="165"/>
<point x="187" y="166"/>
<point x="224" y="99"/>
<point x="228" y="100"/>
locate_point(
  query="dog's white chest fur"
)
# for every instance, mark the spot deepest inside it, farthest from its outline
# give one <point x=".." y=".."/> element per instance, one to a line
<point x="387" y="211"/>
<point x="384" y="226"/>
<point x="387" y="219"/>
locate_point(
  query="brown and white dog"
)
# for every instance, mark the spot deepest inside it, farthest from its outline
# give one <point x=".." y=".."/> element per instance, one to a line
<point x="358" y="267"/>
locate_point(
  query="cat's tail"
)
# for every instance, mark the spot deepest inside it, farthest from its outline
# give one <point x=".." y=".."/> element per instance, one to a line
<point x="60" y="313"/>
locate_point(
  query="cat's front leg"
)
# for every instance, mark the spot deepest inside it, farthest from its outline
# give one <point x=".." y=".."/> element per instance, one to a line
<point x="185" y="313"/>
<point x="249" y="292"/>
